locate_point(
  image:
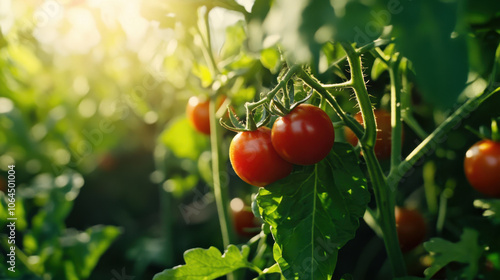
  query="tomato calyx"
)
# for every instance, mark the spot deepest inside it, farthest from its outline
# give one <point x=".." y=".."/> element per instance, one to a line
<point x="274" y="106"/>
<point x="287" y="103"/>
<point x="238" y="126"/>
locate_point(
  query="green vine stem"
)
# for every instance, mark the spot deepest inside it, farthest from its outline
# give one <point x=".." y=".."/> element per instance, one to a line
<point x="404" y="86"/>
<point x="437" y="135"/>
<point x="396" y="124"/>
<point x="218" y="168"/>
<point x="383" y="194"/>
<point x="204" y="32"/>
<point x="318" y="87"/>
<point x="406" y="109"/>
<point x="270" y="95"/>
<point x="221" y="191"/>
<point x="365" y="105"/>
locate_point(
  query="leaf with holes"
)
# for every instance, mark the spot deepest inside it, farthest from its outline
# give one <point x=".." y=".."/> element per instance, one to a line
<point x="314" y="212"/>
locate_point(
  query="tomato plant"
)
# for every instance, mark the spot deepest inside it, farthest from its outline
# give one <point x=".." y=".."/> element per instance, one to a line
<point x="384" y="133"/>
<point x="304" y="136"/>
<point x="482" y="167"/>
<point x="411" y="228"/>
<point x="295" y="76"/>
<point x="255" y="160"/>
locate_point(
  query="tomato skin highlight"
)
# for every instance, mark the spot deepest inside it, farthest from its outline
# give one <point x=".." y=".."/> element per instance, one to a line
<point x="482" y="167"/>
<point x="384" y="133"/>
<point x="305" y="136"/>
<point x="411" y="228"/>
<point x="254" y="159"/>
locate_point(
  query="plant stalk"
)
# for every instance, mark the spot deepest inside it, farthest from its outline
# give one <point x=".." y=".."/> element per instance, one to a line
<point x="396" y="124"/>
<point x="221" y="191"/>
<point x="383" y="195"/>
<point x="436" y="137"/>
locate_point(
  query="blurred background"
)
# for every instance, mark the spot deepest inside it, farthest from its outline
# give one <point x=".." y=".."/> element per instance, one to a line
<point x="92" y="95"/>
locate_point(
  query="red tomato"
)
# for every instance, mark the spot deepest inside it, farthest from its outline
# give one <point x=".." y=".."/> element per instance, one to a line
<point x="3" y="184"/>
<point x="384" y="133"/>
<point x="108" y="162"/>
<point x="254" y="159"/>
<point x="305" y="136"/>
<point x="482" y="167"/>
<point x="244" y="222"/>
<point x="198" y="113"/>
<point x="411" y="228"/>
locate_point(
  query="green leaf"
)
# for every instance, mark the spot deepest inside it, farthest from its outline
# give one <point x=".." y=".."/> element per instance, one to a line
<point x="378" y="65"/>
<point x="48" y="223"/>
<point x="378" y="68"/>
<point x="203" y="72"/>
<point x="492" y="207"/>
<point x="179" y="186"/>
<point x="270" y="58"/>
<point x="304" y="27"/>
<point x="275" y="268"/>
<point x="495" y="75"/>
<point x="314" y="212"/>
<point x="235" y="38"/>
<point x="423" y="32"/>
<point x="298" y="24"/>
<point x="206" y="264"/>
<point x="260" y="9"/>
<point x="466" y="251"/>
<point x="85" y="248"/>
<point x="183" y="140"/>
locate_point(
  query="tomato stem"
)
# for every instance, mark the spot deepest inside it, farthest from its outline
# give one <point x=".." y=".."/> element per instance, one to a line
<point x="354" y="60"/>
<point x="221" y="191"/>
<point x="349" y="121"/>
<point x="384" y="196"/>
<point x="270" y="95"/>
<point x="438" y="135"/>
<point x="495" y="133"/>
<point x="396" y="141"/>
<point x="203" y="28"/>
<point x="407" y="109"/>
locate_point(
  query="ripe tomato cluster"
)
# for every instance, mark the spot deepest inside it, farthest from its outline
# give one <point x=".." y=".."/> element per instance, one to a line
<point x="305" y="136"/>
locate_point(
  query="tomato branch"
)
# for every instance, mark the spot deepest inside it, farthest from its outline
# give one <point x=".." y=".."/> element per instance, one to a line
<point x="383" y="195"/>
<point x="364" y="49"/>
<point x="407" y="111"/>
<point x="437" y="135"/>
<point x="396" y="124"/>
<point x="357" y="78"/>
<point x="221" y="191"/>
<point x="347" y="119"/>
